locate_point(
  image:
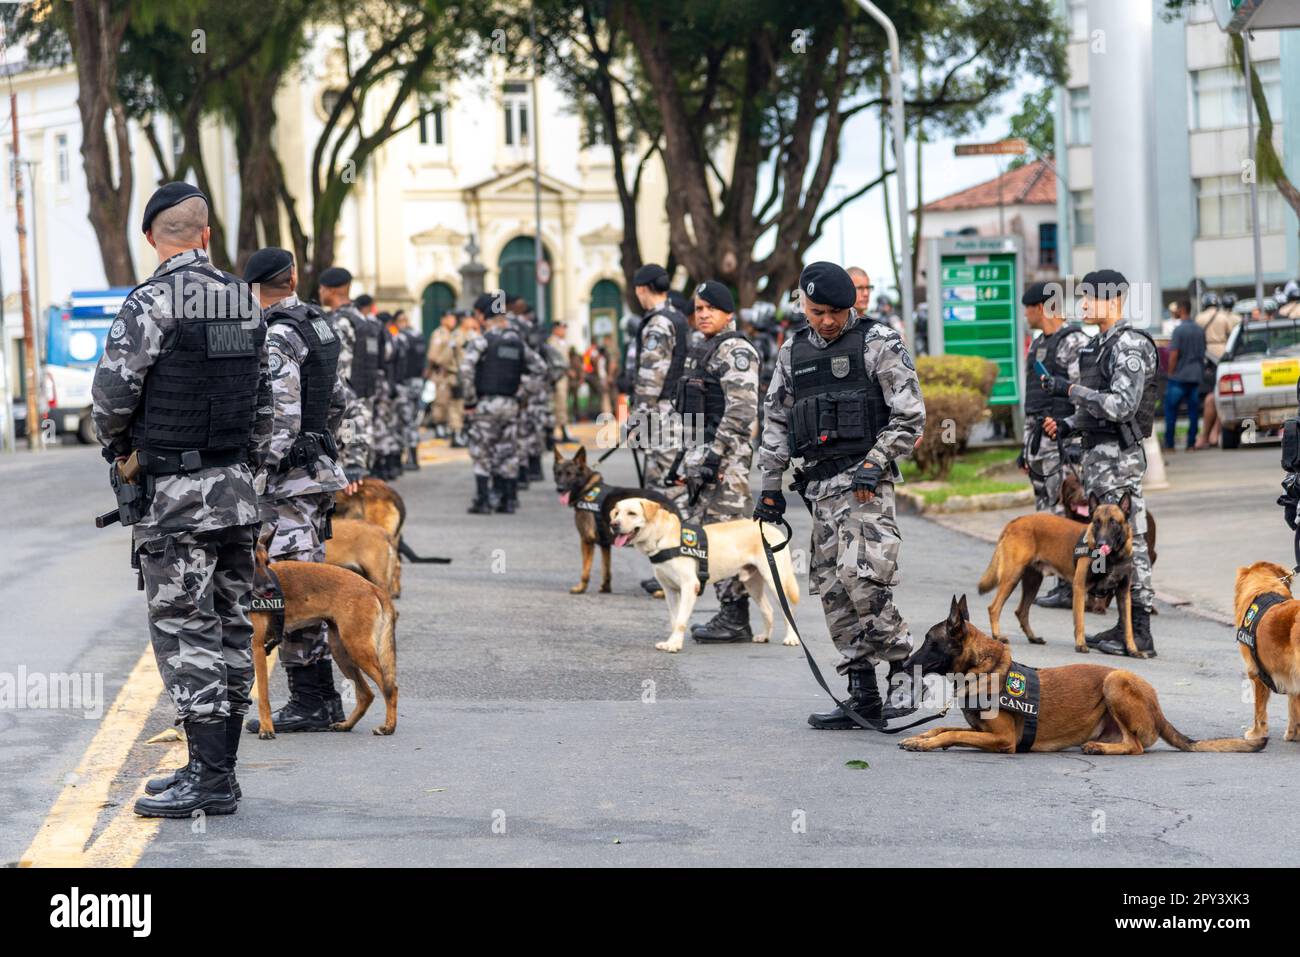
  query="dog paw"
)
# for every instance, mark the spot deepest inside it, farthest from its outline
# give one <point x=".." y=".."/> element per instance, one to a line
<point x="668" y="646"/>
<point x="1082" y="649"/>
<point x="266" y="735"/>
<point x="791" y="642"/>
<point x="340" y="726"/>
<point x="384" y="729"/>
<point x="1292" y="734"/>
<point x="579" y="589"/>
<point x="759" y="639"/>
<point x="914" y="743"/>
<point x="1255" y="734"/>
<point x="605" y="589"/>
<point x="1092" y="747"/>
<point x="1037" y="641"/>
<point x="1002" y="638"/>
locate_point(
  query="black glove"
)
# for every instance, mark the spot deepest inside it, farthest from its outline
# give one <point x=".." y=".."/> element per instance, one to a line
<point x="867" y="477"/>
<point x="1055" y="385"/>
<point x="1290" y="498"/>
<point x="706" y="472"/>
<point x="1020" y="460"/>
<point x="763" y="512"/>
<point x="353" y="473"/>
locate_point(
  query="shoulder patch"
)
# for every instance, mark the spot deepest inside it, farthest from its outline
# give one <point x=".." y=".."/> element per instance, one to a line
<point x="651" y="342"/>
<point x="740" y="360"/>
<point x="274" y="361"/>
<point x="118" y="329"/>
<point x="1133" y="364"/>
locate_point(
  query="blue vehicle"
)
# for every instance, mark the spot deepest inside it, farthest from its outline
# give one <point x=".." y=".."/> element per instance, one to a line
<point x="75" y="331"/>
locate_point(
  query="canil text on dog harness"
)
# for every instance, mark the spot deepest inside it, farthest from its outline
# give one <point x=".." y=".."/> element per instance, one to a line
<point x="593" y="500"/>
<point x="267" y="596"/>
<point x="694" y="544"/>
<point x="1019" y="695"/>
<point x="1249" y="627"/>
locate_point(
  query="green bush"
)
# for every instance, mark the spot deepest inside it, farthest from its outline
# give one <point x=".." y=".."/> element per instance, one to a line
<point x="965" y="372"/>
<point x="950" y="412"/>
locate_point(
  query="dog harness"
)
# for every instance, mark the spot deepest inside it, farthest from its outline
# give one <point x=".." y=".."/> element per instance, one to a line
<point x="1249" y="627"/>
<point x="593" y="500"/>
<point x="694" y="544"/>
<point x="1020" y="694"/>
<point x="268" y="596"/>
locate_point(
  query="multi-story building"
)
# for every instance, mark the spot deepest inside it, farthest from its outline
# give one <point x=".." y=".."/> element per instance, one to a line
<point x="1190" y="99"/>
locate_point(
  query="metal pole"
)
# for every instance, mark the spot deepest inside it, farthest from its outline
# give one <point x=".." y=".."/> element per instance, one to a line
<point x="839" y="194"/>
<point x="1254" y="177"/>
<point x="7" y="410"/>
<point x="900" y="162"/>
<point x="539" y="255"/>
<point x="29" y="331"/>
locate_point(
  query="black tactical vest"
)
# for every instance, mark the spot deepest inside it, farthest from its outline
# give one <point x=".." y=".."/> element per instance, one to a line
<point x="838" y="408"/>
<point x="501" y="366"/>
<point x="416" y="348"/>
<point x="1044" y="349"/>
<point x="319" y="367"/>
<point x="201" y="392"/>
<point x="365" y="357"/>
<point x="699" y="390"/>
<point x="681" y="346"/>
<point x="1096" y="367"/>
<point x="395" y="367"/>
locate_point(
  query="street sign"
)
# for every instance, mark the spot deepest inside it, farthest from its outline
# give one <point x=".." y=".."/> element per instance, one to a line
<point x="974" y="296"/>
<point x="1015" y="147"/>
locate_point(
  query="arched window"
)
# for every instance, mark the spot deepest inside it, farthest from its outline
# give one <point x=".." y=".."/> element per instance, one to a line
<point x="603" y="314"/>
<point x="437" y="299"/>
<point x="518" y="267"/>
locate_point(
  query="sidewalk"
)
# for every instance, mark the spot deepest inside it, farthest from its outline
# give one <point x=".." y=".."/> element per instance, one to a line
<point x="1218" y="513"/>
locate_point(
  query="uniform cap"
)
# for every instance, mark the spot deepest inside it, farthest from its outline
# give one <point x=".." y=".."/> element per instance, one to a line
<point x="266" y="264"/>
<point x="335" y="276"/>
<point x="828" y="285"/>
<point x="167" y="196"/>
<point x="716" y="295"/>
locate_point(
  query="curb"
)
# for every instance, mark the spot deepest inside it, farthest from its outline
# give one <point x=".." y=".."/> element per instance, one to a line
<point x="914" y="503"/>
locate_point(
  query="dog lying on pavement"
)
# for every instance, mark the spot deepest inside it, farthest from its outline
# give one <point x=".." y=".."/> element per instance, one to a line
<point x="1103" y="710"/>
<point x="732" y="548"/>
<point x="1102" y="563"/>
<point x="1269" y="617"/>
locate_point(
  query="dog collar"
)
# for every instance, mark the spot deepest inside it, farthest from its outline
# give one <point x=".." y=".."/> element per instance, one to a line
<point x="1248" y="629"/>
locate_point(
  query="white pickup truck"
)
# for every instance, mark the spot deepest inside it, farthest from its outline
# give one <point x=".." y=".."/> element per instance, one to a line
<point x="64" y="401"/>
<point x="1255" y="383"/>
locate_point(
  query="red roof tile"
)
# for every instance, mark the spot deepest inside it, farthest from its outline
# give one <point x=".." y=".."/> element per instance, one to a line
<point x="1032" y="184"/>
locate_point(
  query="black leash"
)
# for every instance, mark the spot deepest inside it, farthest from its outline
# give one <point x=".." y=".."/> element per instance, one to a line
<point x="862" y="722"/>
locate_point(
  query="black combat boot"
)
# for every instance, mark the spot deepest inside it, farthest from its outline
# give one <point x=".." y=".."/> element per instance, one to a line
<point x="510" y="497"/>
<point x="413" y="459"/>
<point x="550" y="441"/>
<point x="457" y="440"/>
<point x="903" y="703"/>
<point x="205" y="785"/>
<point x="325" y="683"/>
<point x="481" y="505"/>
<point x="731" y="623"/>
<point x="522" y="478"/>
<point x="535" y="473"/>
<point x="394" y="466"/>
<point x="1062" y="596"/>
<point x="234" y="728"/>
<point x="864" y="698"/>
<point x="1142" y="639"/>
<point x="305" y="710"/>
<point x="652" y="587"/>
<point x="1112" y="634"/>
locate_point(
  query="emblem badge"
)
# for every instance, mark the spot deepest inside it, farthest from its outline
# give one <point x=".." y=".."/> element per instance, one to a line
<point x="741" y="362"/>
<point x="809" y="288"/>
<point x="1015" y="684"/>
<point x="118" y="330"/>
<point x="689" y="538"/>
<point x="840" y="366"/>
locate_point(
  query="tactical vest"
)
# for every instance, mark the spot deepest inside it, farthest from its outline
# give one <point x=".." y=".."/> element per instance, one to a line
<point x="319" y="367"/>
<point x="501" y="366"/>
<point x="838" y="408"/>
<point x="395" y="366"/>
<point x="201" y="392"/>
<point x="699" y="390"/>
<point x="1044" y="349"/>
<point x="1096" y="369"/>
<point x="681" y="337"/>
<point x="417" y="347"/>
<point x="365" y="357"/>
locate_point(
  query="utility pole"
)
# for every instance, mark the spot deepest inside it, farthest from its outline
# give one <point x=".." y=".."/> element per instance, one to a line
<point x="29" y="327"/>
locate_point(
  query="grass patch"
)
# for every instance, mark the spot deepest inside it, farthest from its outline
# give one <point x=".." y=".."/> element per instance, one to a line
<point x="967" y="467"/>
<point x="966" y="477"/>
<point x="941" y="494"/>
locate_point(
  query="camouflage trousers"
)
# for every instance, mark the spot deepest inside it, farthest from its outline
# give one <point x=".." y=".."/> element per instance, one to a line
<point x="528" y="429"/>
<point x="1109" y="472"/>
<point x="409" y="411"/>
<point x="197" y="588"/>
<point x="491" y="436"/>
<point x="725" y="500"/>
<point x="1046" y="470"/>
<point x="657" y="460"/>
<point x="385" y="422"/>
<point x="853" y="569"/>
<point x="354" y="434"/>
<point x="299" y="536"/>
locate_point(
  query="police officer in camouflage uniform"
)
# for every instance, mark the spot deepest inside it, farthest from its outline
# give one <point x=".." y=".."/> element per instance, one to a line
<point x="183" y="383"/>
<point x="386" y="457"/>
<point x="301" y="472"/>
<point x="412" y="387"/>
<point x="358" y="368"/>
<point x="534" y="396"/>
<point x="1114" y="408"/>
<point x="845" y="398"/>
<point x="1056" y="349"/>
<point x="719" y="388"/>
<point x="491" y="373"/>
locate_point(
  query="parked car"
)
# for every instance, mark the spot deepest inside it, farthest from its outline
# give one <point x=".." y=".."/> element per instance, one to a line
<point x="65" y="401"/>
<point x="1255" y="387"/>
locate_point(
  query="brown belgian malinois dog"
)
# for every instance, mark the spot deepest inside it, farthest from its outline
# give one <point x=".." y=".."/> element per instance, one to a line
<point x="574" y="479"/>
<point x="1277" y="644"/>
<point x="361" y="621"/>
<point x="367" y="550"/>
<point x="1104" y="710"/>
<point x="1033" y="544"/>
<point x="376" y="502"/>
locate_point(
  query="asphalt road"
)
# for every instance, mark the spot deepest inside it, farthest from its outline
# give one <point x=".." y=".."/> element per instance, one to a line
<point x="540" y="728"/>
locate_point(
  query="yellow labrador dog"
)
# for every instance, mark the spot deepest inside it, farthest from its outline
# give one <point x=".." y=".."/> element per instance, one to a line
<point x="734" y="549"/>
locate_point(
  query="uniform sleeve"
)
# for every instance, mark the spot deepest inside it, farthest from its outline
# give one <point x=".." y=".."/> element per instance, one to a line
<point x="284" y="351"/>
<point x="134" y="342"/>
<point x="536" y="364"/>
<point x="1068" y="353"/>
<point x="659" y="340"/>
<point x="264" y="416"/>
<point x="738" y="372"/>
<point x="347" y="333"/>
<point x="468" y="360"/>
<point x="338" y="405"/>
<point x="1133" y="359"/>
<point x="887" y="359"/>
<point x="774" y="453"/>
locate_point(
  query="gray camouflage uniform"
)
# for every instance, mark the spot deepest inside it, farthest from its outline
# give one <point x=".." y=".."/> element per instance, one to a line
<point x="297" y="501"/>
<point x="1046" y="470"/>
<point x="534" y="398"/>
<point x="493" y="422"/>
<point x="736" y="364"/>
<point x="652" y="364"/>
<point x="384" y="424"/>
<point x="855" y="546"/>
<point x="353" y="434"/>
<point x="195" y="545"/>
<point x="1107" y="470"/>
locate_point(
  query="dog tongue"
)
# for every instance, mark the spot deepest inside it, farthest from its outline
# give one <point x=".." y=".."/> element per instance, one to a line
<point x="564" y="498"/>
<point x="620" y="540"/>
<point x="1082" y="510"/>
<point x="1104" y="549"/>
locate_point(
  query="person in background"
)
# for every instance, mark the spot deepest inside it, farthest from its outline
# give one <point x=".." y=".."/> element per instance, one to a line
<point x="1186" y="367"/>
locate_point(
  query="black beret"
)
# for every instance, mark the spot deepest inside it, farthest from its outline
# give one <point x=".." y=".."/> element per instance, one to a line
<point x="1104" y="284"/>
<point x="363" y="301"/>
<point x="1038" y="293"/>
<point x="680" y="302"/>
<point x="716" y="295"/>
<point x="335" y="276"/>
<point x="828" y="285"/>
<point x="267" y="264"/>
<point x="167" y="196"/>
<point x="651" y="274"/>
<point x="490" y="304"/>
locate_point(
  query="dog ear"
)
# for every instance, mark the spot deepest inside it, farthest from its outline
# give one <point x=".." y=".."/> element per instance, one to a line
<point x="558" y="457"/>
<point x="649" y="508"/>
<point x="580" y="456"/>
<point x="1126" y="504"/>
<point x="1093" y="502"/>
<point x="954" y="613"/>
<point x="961" y="607"/>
